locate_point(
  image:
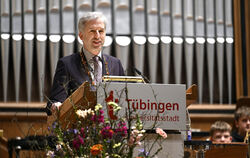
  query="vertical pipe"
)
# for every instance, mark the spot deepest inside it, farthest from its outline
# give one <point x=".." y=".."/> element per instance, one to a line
<point x="220" y="44"/>
<point x="189" y="39"/>
<point x="104" y="6"/>
<point x="68" y="17"/>
<point x="54" y="17"/>
<point x="200" y="34"/>
<point x="152" y="18"/>
<point x="16" y="22"/>
<point x="28" y="53"/>
<point x="165" y="57"/>
<point x="229" y="56"/>
<point x="28" y="16"/>
<point x="122" y="25"/>
<point x="219" y="18"/>
<point x="41" y="59"/>
<point x="210" y="33"/>
<point x="165" y="18"/>
<point x="177" y="46"/>
<point x="220" y="65"/>
<point x="139" y="52"/>
<point x="68" y="44"/>
<point x="229" y="46"/>
<point x="54" y="53"/>
<point x="5" y="16"/>
<point x="188" y="18"/>
<point x="138" y="17"/>
<point x="189" y="56"/>
<point x="210" y="62"/>
<point x="5" y="40"/>
<point x="5" y="33"/>
<point x="54" y="34"/>
<point x="83" y="6"/>
<point x="229" y="18"/>
<point x="200" y="64"/>
<point x="153" y="56"/>
<point x="41" y="19"/>
<point x="199" y="18"/>
<point x="16" y="51"/>
<point x="177" y="18"/>
<point x="210" y="22"/>
<point x="68" y="27"/>
<point x="107" y="45"/>
<point x="41" y="38"/>
<point x="122" y="49"/>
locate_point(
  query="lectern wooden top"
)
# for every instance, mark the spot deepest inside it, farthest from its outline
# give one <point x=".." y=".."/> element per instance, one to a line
<point x="82" y="98"/>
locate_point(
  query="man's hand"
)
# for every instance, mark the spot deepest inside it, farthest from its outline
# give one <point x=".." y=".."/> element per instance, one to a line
<point x="56" y="106"/>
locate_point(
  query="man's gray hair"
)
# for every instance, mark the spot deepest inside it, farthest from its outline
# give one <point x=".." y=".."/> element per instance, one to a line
<point x="90" y="16"/>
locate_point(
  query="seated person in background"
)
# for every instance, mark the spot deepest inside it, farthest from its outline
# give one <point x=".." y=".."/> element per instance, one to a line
<point x="220" y="132"/>
<point x="242" y="123"/>
<point x="90" y="64"/>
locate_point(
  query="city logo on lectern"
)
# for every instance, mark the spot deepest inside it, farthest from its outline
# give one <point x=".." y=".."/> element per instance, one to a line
<point x="110" y="98"/>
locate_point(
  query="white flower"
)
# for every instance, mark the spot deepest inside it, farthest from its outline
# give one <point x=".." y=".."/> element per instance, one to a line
<point x="83" y="113"/>
<point x="91" y="112"/>
<point x="58" y="147"/>
<point x="140" y="135"/>
<point x="50" y="153"/>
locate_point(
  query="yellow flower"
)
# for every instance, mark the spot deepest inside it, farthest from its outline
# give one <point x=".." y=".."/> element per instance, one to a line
<point x="115" y="106"/>
<point x="96" y="149"/>
<point x="117" y="145"/>
<point x="98" y="107"/>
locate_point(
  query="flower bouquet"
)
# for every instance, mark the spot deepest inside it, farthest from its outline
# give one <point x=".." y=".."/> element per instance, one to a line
<point x="93" y="135"/>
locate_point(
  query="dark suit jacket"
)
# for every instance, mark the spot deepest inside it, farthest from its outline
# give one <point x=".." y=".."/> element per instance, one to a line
<point x="70" y="74"/>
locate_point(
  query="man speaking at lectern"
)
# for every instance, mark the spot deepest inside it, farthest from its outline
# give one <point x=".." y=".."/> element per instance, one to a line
<point x="90" y="64"/>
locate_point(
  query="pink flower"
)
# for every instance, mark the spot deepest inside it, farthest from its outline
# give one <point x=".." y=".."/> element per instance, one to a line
<point x="161" y="133"/>
<point x="135" y="137"/>
<point x="122" y="129"/>
<point x="77" y="142"/>
<point x="107" y="132"/>
<point x="99" y="117"/>
<point x="82" y="132"/>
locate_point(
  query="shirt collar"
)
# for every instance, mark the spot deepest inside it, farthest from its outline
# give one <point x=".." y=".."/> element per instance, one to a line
<point x="89" y="55"/>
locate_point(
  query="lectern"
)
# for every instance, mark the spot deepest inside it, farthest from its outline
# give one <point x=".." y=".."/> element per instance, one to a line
<point x="163" y="103"/>
<point x="86" y="97"/>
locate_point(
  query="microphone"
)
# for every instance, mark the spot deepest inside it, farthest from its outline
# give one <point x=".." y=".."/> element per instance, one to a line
<point x="139" y="73"/>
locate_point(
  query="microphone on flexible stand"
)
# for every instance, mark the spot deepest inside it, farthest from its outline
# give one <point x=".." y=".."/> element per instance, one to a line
<point x="139" y="73"/>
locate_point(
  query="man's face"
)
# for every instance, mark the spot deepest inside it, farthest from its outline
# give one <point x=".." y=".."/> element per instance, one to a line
<point x="221" y="137"/>
<point x="243" y="125"/>
<point x="93" y="36"/>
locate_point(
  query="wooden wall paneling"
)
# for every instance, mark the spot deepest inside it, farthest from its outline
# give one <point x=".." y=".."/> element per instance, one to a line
<point x="238" y="50"/>
<point x="247" y="23"/>
<point x="3" y="147"/>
